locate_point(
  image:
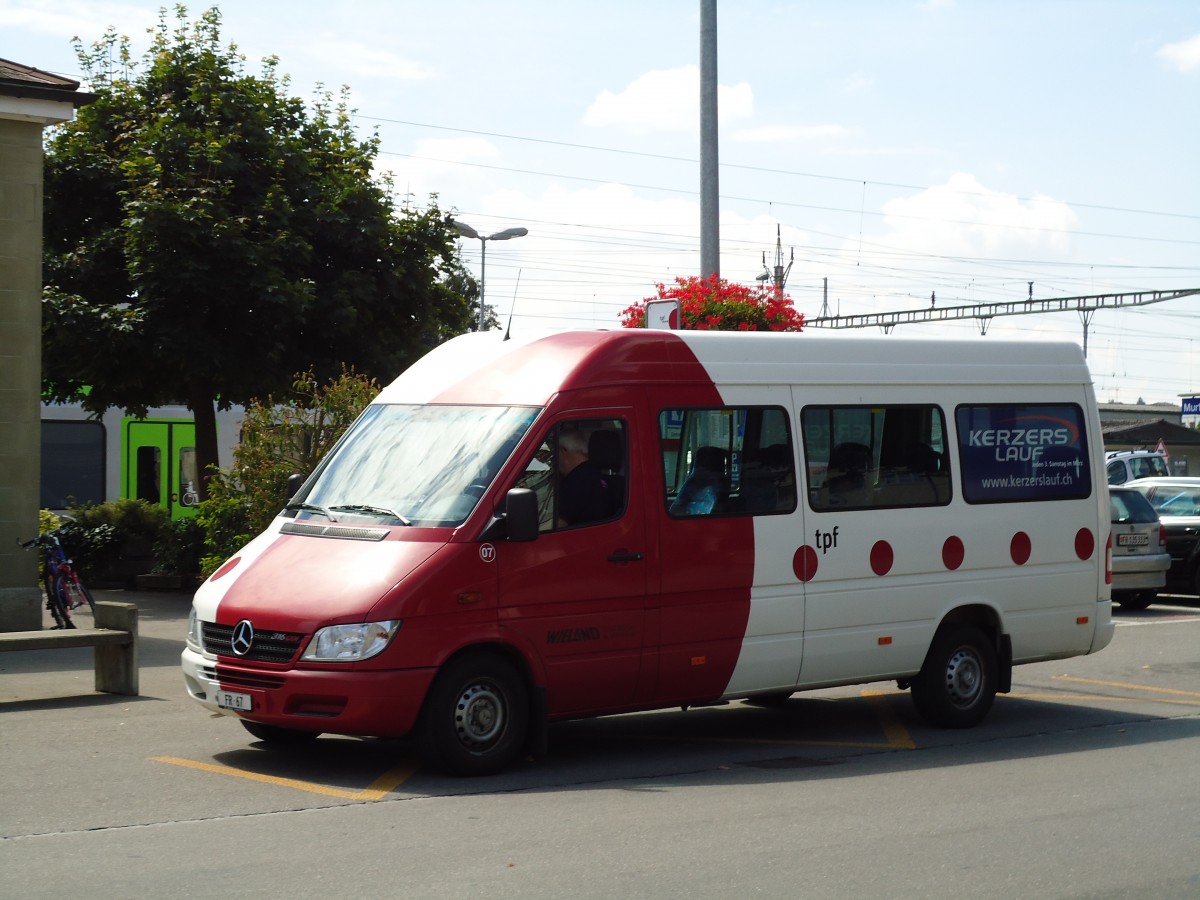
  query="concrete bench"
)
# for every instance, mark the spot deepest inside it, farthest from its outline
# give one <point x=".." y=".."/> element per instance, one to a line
<point x="114" y="638"/>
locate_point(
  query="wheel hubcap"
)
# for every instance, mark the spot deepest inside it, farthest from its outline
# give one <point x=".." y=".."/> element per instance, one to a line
<point x="964" y="678"/>
<point x="479" y="716"/>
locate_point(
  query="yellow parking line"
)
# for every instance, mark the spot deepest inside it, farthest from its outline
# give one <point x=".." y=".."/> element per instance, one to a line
<point x="1128" y="686"/>
<point x="896" y="733"/>
<point x="378" y="789"/>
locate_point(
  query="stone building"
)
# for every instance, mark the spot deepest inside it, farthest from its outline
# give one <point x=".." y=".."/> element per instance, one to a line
<point x="30" y="100"/>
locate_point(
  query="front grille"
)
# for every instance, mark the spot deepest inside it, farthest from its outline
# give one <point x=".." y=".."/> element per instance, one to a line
<point x="268" y="646"/>
<point x="249" y="679"/>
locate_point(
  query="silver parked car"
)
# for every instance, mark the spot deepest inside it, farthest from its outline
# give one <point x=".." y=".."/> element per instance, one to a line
<point x="1139" y="549"/>
<point x="1177" y="502"/>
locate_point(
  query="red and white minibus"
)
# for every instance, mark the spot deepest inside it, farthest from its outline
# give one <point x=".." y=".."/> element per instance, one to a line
<point x="521" y="531"/>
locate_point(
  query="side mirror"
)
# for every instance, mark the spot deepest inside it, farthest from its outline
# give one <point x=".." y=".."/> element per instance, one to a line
<point x="521" y="515"/>
<point x="294" y="483"/>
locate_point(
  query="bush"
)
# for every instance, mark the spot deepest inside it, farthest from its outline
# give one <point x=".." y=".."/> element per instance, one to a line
<point x="92" y="548"/>
<point x="95" y="539"/>
<point x="179" y="548"/>
<point x="131" y="518"/>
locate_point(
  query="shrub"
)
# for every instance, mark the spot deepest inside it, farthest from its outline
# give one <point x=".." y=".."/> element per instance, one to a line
<point x="95" y="539"/>
<point x="179" y="548"/>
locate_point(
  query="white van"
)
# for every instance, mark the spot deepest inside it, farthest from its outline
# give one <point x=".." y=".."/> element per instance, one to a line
<point x="518" y="532"/>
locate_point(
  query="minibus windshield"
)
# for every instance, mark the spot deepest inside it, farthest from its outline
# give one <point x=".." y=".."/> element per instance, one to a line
<point x="415" y="465"/>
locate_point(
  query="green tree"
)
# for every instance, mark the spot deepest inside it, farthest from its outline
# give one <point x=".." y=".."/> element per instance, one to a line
<point x="714" y="304"/>
<point x="206" y="235"/>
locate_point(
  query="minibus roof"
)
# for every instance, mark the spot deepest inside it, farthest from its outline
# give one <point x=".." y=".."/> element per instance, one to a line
<point x="484" y="368"/>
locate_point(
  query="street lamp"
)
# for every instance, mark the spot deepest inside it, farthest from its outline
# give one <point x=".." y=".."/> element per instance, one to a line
<point x="507" y="234"/>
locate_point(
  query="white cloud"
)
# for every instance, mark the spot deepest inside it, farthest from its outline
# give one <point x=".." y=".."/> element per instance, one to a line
<point x="962" y="218"/>
<point x="787" y="134"/>
<point x="435" y="166"/>
<point x="667" y="100"/>
<point x="1183" y="55"/>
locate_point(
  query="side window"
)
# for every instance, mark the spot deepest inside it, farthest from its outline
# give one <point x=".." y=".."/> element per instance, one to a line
<point x="727" y="461"/>
<point x="579" y="473"/>
<point x="875" y="457"/>
<point x="72" y="463"/>
<point x="1011" y="453"/>
<point x="1116" y="472"/>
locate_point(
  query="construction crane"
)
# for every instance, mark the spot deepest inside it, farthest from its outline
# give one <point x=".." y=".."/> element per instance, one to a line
<point x="1086" y="306"/>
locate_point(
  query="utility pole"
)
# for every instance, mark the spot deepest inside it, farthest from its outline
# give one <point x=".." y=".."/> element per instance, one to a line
<point x="710" y="204"/>
<point x="780" y="274"/>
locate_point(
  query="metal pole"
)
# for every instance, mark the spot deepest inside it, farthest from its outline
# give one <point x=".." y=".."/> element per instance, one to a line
<point x="710" y="208"/>
<point x="482" y="277"/>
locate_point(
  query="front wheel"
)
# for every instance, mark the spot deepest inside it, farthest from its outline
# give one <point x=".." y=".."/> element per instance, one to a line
<point x="60" y="603"/>
<point x="957" y="684"/>
<point x="476" y="716"/>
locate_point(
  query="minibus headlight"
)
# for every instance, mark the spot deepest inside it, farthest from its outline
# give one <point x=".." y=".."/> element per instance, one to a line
<point x="350" y="643"/>
<point x="193" y="632"/>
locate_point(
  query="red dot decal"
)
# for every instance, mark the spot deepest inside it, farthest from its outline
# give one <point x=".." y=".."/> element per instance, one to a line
<point x="1020" y="548"/>
<point x="882" y="558"/>
<point x="953" y="552"/>
<point x="227" y="567"/>
<point x="1085" y="543"/>
<point x="804" y="563"/>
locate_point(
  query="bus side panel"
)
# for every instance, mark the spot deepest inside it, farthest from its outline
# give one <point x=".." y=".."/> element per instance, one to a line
<point x="883" y="580"/>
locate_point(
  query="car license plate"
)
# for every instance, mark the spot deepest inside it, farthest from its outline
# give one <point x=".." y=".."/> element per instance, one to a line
<point x="230" y="700"/>
<point x="1133" y="540"/>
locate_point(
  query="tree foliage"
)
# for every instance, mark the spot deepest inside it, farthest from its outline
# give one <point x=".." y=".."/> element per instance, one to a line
<point x="206" y="235"/>
<point x="281" y="436"/>
<point x="714" y="304"/>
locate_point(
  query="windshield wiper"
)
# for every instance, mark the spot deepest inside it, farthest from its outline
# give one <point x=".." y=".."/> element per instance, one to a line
<point x="309" y="507"/>
<point x="375" y="510"/>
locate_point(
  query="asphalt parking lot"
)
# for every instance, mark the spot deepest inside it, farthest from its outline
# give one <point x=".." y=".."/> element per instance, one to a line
<point x="153" y="792"/>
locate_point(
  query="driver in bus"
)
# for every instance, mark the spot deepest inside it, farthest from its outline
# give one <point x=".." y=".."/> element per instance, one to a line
<point x="582" y="493"/>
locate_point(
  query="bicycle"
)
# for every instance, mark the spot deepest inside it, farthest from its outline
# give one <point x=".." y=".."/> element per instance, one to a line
<point x="64" y="590"/>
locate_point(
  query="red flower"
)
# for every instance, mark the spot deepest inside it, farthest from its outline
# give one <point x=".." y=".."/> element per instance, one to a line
<point x="715" y="304"/>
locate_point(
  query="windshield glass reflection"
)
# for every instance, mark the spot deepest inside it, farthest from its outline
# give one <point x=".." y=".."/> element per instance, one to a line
<point x="416" y="465"/>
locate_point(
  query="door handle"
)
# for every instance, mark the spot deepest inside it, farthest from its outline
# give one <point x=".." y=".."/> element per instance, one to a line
<point x="624" y="556"/>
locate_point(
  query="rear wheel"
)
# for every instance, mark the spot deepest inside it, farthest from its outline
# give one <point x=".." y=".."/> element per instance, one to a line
<point x="957" y="683"/>
<point x="476" y="717"/>
<point x="78" y="595"/>
<point x="273" y="734"/>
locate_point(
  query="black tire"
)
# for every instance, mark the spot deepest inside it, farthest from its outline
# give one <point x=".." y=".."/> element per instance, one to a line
<point x="78" y="595"/>
<point x="60" y="604"/>
<point x="476" y="716"/>
<point x="1140" y="600"/>
<point x="957" y="683"/>
<point x="281" y="737"/>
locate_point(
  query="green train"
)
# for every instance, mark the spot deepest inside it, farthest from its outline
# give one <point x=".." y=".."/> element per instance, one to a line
<point x="93" y="459"/>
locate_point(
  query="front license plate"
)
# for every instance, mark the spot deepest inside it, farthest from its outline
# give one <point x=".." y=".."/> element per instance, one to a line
<point x="1133" y="540"/>
<point x="230" y="700"/>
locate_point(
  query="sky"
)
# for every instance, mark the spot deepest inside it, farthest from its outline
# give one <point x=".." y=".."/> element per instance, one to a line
<point x="897" y="154"/>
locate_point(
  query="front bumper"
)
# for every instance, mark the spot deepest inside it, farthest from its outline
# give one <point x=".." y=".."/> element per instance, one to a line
<point x="361" y="703"/>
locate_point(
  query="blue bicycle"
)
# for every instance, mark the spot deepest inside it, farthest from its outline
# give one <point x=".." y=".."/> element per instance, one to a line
<point x="64" y="590"/>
